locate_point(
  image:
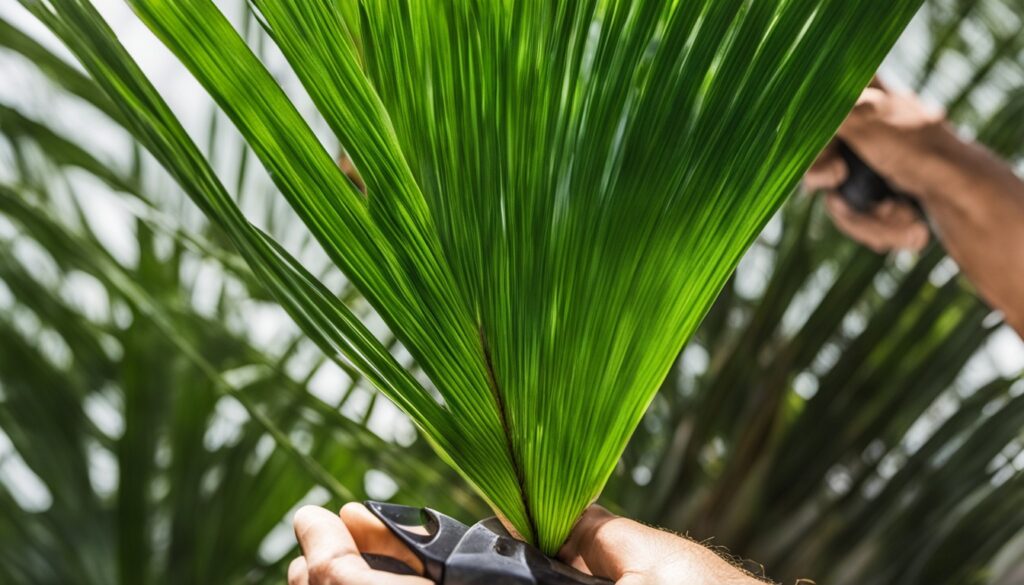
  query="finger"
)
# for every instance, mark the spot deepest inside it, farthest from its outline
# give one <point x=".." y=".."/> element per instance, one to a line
<point x="331" y="554"/>
<point x="343" y="571"/>
<point x="322" y="536"/>
<point x="872" y="104"/>
<point x="891" y="212"/>
<point x="828" y="172"/>
<point x="297" y="573"/>
<point x="916" y="237"/>
<point x="861" y="228"/>
<point x="629" y="552"/>
<point x="343" y="574"/>
<point x="902" y="225"/>
<point x="568" y="555"/>
<point x="896" y="215"/>
<point x="589" y="541"/>
<point x="890" y="226"/>
<point x="612" y="547"/>
<point x="877" y="83"/>
<point x="872" y="100"/>
<point x="372" y="536"/>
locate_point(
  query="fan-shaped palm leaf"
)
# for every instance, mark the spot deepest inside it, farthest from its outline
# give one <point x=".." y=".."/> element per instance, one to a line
<point x="555" y="193"/>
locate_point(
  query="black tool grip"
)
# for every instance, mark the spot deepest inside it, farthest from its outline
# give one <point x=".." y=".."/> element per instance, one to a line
<point x="455" y="554"/>
<point x="864" y="188"/>
<point x="387" y="564"/>
<point x="429" y="535"/>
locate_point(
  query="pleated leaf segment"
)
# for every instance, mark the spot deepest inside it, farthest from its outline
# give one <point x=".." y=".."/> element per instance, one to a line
<point x="555" y="192"/>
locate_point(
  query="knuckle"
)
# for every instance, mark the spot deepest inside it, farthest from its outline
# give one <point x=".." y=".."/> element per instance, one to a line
<point x="864" y="108"/>
<point x="870" y="101"/>
<point x="322" y="573"/>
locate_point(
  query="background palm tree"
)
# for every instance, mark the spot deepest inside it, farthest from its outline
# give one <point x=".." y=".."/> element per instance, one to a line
<point x="833" y="418"/>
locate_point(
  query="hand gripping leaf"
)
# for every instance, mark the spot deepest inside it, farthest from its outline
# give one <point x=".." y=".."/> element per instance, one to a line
<point x="556" y="191"/>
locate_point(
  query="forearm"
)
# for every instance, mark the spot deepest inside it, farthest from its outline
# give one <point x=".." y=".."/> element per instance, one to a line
<point x="975" y="203"/>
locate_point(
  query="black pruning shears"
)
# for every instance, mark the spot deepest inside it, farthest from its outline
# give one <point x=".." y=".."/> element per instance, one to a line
<point x="455" y="554"/>
<point x="864" y="188"/>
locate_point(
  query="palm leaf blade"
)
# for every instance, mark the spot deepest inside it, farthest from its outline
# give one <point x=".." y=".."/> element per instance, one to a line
<point x="503" y="213"/>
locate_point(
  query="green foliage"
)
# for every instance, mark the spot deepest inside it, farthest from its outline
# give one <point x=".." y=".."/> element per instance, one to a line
<point x="871" y="479"/>
<point x="837" y="430"/>
<point x="167" y="371"/>
<point x="503" y="146"/>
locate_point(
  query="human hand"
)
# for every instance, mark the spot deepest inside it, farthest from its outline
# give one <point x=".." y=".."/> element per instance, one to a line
<point x="630" y="553"/>
<point x="331" y="546"/>
<point x="909" y="145"/>
<point x="601" y="544"/>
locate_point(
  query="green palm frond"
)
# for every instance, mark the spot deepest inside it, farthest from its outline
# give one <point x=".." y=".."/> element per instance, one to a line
<point x="821" y="448"/>
<point x="715" y="455"/>
<point x="151" y="499"/>
<point x="514" y="192"/>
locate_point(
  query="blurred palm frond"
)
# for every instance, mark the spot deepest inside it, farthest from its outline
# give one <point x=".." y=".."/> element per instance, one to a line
<point x="827" y="421"/>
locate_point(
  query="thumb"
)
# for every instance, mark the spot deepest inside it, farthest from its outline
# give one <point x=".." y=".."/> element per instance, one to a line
<point x="611" y="546"/>
<point x="629" y="552"/>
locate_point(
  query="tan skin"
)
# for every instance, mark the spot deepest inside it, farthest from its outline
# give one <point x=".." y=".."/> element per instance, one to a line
<point x="619" y="549"/>
<point x="974" y="203"/>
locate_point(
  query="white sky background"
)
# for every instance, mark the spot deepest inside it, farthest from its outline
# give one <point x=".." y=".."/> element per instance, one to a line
<point x="1004" y="352"/>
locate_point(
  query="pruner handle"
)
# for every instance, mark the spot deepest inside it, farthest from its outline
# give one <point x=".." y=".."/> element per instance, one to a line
<point x="864" y="188"/>
<point x="428" y="534"/>
<point x="455" y="554"/>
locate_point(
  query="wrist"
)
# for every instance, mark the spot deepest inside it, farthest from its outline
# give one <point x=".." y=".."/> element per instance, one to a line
<point x="946" y="168"/>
